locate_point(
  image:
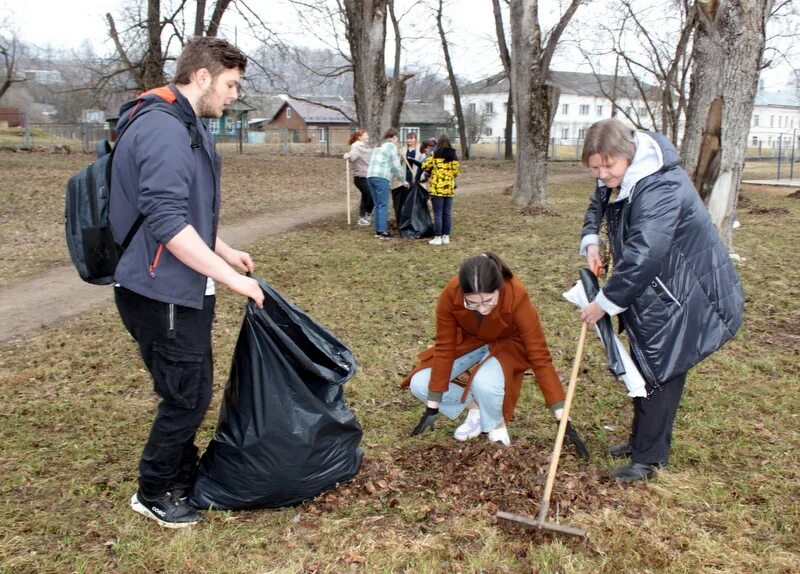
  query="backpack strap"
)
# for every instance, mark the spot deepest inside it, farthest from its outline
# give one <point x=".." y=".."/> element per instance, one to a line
<point x="194" y="136"/>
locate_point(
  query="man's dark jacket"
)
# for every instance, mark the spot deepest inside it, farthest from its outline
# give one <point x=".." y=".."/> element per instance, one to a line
<point x="157" y="171"/>
<point x="672" y="275"/>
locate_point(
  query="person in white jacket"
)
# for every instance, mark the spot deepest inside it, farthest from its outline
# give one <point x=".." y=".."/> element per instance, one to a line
<point x="359" y="156"/>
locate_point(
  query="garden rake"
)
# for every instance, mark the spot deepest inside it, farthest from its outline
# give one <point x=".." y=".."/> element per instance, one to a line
<point x="540" y="521"/>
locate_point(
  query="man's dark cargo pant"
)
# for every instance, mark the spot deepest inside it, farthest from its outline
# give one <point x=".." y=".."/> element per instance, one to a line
<point x="175" y="343"/>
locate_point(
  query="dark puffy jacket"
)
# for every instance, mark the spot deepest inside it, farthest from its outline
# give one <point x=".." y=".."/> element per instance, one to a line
<point x="158" y="172"/>
<point x="673" y="277"/>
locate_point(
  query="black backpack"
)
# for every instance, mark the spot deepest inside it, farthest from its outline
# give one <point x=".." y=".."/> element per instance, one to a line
<point x="90" y="241"/>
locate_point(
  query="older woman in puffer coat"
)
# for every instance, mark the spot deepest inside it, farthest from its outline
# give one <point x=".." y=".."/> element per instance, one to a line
<point x="673" y="283"/>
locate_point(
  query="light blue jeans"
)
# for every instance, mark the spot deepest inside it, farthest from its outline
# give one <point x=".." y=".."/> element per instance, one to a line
<point x="488" y="388"/>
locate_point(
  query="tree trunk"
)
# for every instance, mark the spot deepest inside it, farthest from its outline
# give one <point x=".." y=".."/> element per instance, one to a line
<point x="152" y="66"/>
<point x="366" y="35"/>
<point x="533" y="99"/>
<point x="462" y="125"/>
<point x="216" y="17"/>
<point x="505" y="57"/>
<point x="396" y="87"/>
<point x="509" y="130"/>
<point x="727" y="53"/>
<point x="9" y="53"/>
<point x="199" y="18"/>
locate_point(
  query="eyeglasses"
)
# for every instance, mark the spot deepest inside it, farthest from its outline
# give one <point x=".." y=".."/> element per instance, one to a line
<point x="472" y="306"/>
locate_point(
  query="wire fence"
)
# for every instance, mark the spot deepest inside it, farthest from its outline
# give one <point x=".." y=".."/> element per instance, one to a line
<point x="67" y="137"/>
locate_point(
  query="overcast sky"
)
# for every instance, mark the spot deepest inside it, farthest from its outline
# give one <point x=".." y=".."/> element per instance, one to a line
<point x="67" y="24"/>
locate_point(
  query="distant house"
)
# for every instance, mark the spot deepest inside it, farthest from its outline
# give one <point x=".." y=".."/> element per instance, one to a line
<point x="775" y="121"/>
<point x="584" y="99"/>
<point x="307" y="122"/>
<point x="234" y="120"/>
<point x="12" y="117"/>
<point x="428" y="120"/>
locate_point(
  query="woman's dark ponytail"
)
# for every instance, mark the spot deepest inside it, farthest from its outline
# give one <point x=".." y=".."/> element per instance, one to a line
<point x="483" y="273"/>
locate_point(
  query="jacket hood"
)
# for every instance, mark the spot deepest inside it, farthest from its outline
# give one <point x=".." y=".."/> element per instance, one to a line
<point x="654" y="153"/>
<point x="165" y="94"/>
<point x="448" y="154"/>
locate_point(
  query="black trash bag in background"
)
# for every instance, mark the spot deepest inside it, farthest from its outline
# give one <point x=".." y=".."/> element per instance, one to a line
<point x="411" y="209"/>
<point x="284" y="433"/>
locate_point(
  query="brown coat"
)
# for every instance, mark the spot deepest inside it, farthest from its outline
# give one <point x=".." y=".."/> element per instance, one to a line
<point x="514" y="336"/>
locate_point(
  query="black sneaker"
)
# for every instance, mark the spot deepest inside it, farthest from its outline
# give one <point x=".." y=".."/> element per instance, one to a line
<point x="383" y="235"/>
<point x="168" y="510"/>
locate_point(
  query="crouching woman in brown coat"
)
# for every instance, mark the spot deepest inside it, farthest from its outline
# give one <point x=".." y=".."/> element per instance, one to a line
<point x="486" y="322"/>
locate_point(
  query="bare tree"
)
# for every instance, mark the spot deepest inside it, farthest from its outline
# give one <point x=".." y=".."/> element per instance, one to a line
<point x="365" y="22"/>
<point x="505" y="58"/>
<point x="143" y="56"/>
<point x="475" y="121"/>
<point x="9" y="51"/>
<point x="652" y="46"/>
<point x="396" y="86"/>
<point x="533" y="97"/>
<point x="727" y="58"/>
<point x="462" y="125"/>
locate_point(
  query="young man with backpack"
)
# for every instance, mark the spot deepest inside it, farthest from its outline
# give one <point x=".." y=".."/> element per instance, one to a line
<point x="166" y="168"/>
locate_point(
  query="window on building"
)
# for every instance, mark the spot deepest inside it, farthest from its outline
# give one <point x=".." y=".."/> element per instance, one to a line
<point x="642" y="112"/>
<point x="505" y="106"/>
<point x="755" y="140"/>
<point x="599" y="111"/>
<point x="229" y="124"/>
<point x="755" y="121"/>
<point x="489" y="108"/>
<point x="288" y="113"/>
<point x="584" y="110"/>
<point x="565" y="109"/>
<point x="213" y="126"/>
<point x="581" y="133"/>
<point x="564" y="133"/>
<point x="487" y="131"/>
<point x="772" y="121"/>
<point x="322" y="135"/>
<point x="473" y="107"/>
<point x="628" y="110"/>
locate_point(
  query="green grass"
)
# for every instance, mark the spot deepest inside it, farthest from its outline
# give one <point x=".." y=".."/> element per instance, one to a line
<point x="76" y="403"/>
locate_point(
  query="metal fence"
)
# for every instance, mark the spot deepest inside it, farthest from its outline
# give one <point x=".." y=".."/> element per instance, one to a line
<point x="333" y="141"/>
<point x="77" y="137"/>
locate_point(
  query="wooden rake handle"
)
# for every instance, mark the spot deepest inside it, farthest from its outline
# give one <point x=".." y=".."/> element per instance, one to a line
<point x="562" y="428"/>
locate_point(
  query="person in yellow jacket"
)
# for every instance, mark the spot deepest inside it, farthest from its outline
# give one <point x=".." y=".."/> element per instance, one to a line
<point x="443" y="166"/>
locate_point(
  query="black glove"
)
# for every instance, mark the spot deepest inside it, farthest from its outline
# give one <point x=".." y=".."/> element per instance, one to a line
<point x="426" y="422"/>
<point x="573" y="437"/>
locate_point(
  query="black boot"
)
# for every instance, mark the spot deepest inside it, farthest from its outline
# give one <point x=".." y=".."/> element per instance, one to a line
<point x="635" y="471"/>
<point x="620" y="450"/>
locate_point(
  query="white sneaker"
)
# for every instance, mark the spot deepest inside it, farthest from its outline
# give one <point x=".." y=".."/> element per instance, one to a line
<point x="445" y="240"/>
<point x="435" y="241"/>
<point x="363" y="221"/>
<point x="500" y="435"/>
<point x="471" y="427"/>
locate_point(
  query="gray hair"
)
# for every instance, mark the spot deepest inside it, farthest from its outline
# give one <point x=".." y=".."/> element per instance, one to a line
<point x="609" y="138"/>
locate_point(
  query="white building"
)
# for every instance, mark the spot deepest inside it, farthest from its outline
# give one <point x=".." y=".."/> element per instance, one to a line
<point x="775" y="122"/>
<point x="584" y="99"/>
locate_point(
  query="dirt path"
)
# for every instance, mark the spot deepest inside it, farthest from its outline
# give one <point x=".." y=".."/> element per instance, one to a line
<point x="60" y="294"/>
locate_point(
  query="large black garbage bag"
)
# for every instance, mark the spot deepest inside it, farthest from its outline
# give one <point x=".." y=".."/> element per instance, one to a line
<point x="411" y="209"/>
<point x="284" y="433"/>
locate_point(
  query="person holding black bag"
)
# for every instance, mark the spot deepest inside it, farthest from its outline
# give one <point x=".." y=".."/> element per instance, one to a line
<point x="673" y="283"/>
